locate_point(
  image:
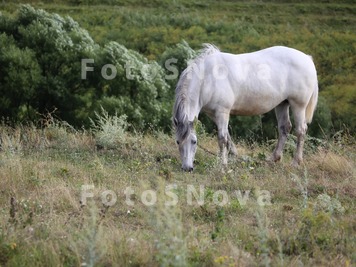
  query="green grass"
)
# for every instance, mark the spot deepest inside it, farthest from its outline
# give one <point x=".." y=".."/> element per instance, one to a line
<point x="309" y="219"/>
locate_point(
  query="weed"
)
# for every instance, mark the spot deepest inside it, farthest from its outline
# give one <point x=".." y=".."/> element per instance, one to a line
<point x="7" y="251"/>
<point x="10" y="140"/>
<point x="89" y="242"/>
<point x="170" y="241"/>
<point x="328" y="204"/>
<point x="263" y="237"/>
<point x="109" y="131"/>
<point x="303" y="186"/>
<point x="218" y="223"/>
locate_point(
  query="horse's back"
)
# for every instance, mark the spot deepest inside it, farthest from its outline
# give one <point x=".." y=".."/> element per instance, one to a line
<point x="289" y="56"/>
<point x="256" y="82"/>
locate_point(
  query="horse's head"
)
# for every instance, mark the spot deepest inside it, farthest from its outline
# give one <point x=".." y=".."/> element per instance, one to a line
<point x="187" y="142"/>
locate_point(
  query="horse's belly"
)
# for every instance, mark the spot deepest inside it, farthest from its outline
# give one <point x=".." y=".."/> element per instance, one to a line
<point x="249" y="111"/>
<point x="249" y="106"/>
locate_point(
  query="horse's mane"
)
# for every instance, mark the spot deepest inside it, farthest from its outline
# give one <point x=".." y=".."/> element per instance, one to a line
<point x="180" y="113"/>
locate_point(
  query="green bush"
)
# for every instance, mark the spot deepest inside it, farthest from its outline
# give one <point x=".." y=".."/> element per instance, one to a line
<point x="53" y="46"/>
<point x="42" y="65"/>
<point x="41" y="62"/>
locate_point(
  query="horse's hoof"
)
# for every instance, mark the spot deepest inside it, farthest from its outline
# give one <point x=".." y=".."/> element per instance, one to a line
<point x="274" y="158"/>
<point x="233" y="151"/>
<point x="296" y="163"/>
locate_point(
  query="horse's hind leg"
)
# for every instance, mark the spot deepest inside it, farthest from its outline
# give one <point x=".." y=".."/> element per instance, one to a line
<point x="300" y="130"/>
<point x="284" y="127"/>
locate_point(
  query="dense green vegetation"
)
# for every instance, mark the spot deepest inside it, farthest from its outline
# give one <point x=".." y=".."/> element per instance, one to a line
<point x="146" y="32"/>
<point x="41" y="62"/>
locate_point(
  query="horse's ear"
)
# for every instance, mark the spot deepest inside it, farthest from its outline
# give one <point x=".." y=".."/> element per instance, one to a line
<point x="175" y="121"/>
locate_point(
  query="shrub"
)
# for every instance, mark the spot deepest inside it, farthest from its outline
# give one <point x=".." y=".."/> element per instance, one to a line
<point x="41" y="62"/>
<point x="109" y="130"/>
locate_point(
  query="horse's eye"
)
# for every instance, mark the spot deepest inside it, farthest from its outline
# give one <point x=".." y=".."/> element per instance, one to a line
<point x="177" y="142"/>
<point x="194" y="142"/>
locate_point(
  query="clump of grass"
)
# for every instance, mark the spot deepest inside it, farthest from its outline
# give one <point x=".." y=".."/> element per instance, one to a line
<point x="315" y="232"/>
<point x="60" y="134"/>
<point x="52" y="133"/>
<point x="263" y="236"/>
<point x="303" y="186"/>
<point x="89" y="243"/>
<point x="10" y="140"/>
<point x="33" y="138"/>
<point x="7" y="251"/>
<point x="109" y="131"/>
<point x="328" y="204"/>
<point x="167" y="222"/>
<point x="333" y="163"/>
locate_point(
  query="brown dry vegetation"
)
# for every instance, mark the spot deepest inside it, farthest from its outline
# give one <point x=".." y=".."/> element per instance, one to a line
<point x="310" y="220"/>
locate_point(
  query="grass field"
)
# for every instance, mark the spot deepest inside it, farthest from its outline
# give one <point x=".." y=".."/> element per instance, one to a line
<point x="56" y="209"/>
<point x="111" y="196"/>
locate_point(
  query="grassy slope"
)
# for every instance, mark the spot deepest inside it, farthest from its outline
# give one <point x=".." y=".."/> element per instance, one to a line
<point x="235" y="27"/>
<point x="45" y="169"/>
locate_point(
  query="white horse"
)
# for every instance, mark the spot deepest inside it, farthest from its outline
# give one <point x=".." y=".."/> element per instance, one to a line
<point x="221" y="84"/>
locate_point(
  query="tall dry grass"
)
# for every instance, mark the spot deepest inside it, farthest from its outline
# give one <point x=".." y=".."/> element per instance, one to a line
<point x="44" y="223"/>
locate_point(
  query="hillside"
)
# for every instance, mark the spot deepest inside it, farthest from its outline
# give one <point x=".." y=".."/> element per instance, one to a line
<point x="90" y="174"/>
<point x="113" y="198"/>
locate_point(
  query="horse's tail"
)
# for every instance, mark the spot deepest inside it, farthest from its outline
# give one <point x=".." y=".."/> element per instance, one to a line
<point x="309" y="112"/>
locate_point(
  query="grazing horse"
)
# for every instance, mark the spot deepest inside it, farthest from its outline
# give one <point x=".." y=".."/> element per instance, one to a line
<point x="221" y="84"/>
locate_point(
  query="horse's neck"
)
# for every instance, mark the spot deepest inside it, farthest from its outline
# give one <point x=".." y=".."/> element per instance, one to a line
<point x="193" y="107"/>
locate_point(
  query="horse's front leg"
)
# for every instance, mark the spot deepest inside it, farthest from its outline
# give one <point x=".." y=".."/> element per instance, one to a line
<point x="222" y="139"/>
<point x="222" y="121"/>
